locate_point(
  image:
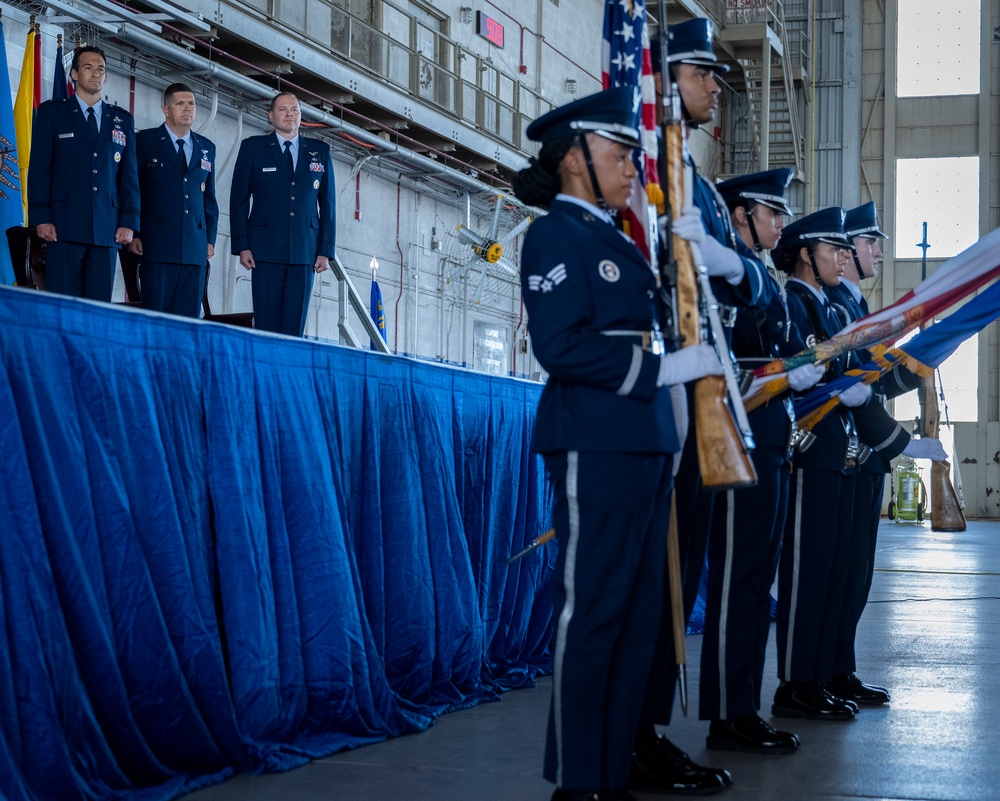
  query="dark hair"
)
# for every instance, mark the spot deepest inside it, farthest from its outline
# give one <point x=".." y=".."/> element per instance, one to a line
<point x="539" y="183"/>
<point x="173" y="89"/>
<point x="785" y="258"/>
<point x="86" y="49"/>
<point x="274" y="100"/>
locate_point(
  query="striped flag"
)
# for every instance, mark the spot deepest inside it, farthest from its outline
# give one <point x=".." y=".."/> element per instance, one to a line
<point x="951" y="283"/>
<point x="626" y="61"/>
<point x="922" y="354"/>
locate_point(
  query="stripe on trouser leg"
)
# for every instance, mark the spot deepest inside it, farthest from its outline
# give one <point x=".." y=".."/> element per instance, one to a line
<point x="727" y="579"/>
<point x="569" y="585"/>
<point x="793" y="601"/>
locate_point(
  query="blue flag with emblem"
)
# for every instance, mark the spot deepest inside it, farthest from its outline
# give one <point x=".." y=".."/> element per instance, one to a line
<point x="11" y="213"/>
<point x="59" y="89"/>
<point x="375" y="308"/>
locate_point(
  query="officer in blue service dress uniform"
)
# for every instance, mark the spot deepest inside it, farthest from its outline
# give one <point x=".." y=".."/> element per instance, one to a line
<point x="813" y="564"/>
<point x="659" y="765"/>
<point x="886" y="442"/>
<point x="83" y="194"/>
<point x="747" y="524"/>
<point x="180" y="215"/>
<point x="606" y="428"/>
<point x="283" y="217"/>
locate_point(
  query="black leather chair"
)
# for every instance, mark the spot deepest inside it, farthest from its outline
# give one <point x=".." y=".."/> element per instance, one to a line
<point x="27" y="255"/>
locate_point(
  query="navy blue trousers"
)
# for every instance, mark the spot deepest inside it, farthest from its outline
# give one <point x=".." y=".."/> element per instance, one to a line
<point x="868" y="489"/>
<point x="812" y="572"/>
<point x="281" y="295"/>
<point x="83" y="271"/>
<point x="172" y="288"/>
<point x="611" y="515"/>
<point x="743" y="547"/>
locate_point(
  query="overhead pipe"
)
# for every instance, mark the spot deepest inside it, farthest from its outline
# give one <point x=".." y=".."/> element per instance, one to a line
<point x="202" y="64"/>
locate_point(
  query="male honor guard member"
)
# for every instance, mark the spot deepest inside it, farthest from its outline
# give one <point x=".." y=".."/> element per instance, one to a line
<point x="886" y="438"/>
<point x="83" y="195"/>
<point x="180" y="215"/>
<point x="606" y="430"/>
<point x="747" y="523"/>
<point x="283" y="217"/>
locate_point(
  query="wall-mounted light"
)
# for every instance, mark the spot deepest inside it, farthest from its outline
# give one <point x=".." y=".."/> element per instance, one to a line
<point x="466" y="13"/>
<point x="571" y="86"/>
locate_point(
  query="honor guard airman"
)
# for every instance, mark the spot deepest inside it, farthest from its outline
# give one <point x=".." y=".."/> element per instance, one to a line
<point x="607" y="431"/>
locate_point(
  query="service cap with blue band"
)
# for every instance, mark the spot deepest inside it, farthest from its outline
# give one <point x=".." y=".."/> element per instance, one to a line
<point x="863" y="221"/>
<point x="691" y="43"/>
<point x="610" y="114"/>
<point x="825" y="225"/>
<point x="767" y="188"/>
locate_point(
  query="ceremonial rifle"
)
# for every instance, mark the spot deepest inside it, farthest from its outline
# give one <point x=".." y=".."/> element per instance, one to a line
<point x="946" y="511"/>
<point x="722" y="430"/>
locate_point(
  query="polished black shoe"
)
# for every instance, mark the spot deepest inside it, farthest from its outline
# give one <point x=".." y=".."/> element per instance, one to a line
<point x="810" y="700"/>
<point x="751" y="735"/>
<point x="849" y="686"/>
<point x="592" y="795"/>
<point x="659" y="766"/>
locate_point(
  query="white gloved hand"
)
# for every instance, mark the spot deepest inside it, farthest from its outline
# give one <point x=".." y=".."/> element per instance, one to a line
<point x="926" y="448"/>
<point x="687" y="364"/>
<point x="805" y="376"/>
<point x="722" y="262"/>
<point x="855" y="395"/>
<point x="690" y="227"/>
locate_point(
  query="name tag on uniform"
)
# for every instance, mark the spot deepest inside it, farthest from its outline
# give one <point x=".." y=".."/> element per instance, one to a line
<point x="269" y="169"/>
<point x="66" y="136"/>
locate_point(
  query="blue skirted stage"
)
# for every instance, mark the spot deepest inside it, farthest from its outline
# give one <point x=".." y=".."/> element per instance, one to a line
<point x="227" y="551"/>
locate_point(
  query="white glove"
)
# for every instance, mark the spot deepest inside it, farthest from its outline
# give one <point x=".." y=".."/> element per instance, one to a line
<point x="855" y="395"/>
<point x="689" y="226"/>
<point x="722" y="262"/>
<point x="805" y="376"/>
<point x="687" y="364"/>
<point x="925" y="448"/>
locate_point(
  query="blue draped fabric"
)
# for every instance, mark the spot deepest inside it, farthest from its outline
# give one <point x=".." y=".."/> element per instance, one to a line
<point x="222" y="550"/>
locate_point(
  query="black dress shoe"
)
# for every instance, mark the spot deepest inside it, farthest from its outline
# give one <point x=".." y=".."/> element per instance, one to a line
<point x="659" y="766"/>
<point x="849" y="686"/>
<point x="592" y="795"/>
<point x="751" y="735"/>
<point x="810" y="700"/>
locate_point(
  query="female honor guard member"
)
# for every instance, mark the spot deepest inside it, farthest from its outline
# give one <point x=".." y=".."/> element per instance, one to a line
<point x="747" y="523"/>
<point x="607" y="431"/>
<point x="813" y="565"/>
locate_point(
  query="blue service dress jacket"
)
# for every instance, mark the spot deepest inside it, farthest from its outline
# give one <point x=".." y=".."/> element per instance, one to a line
<point x="590" y="294"/>
<point x="180" y="215"/>
<point x="87" y="189"/>
<point x="292" y="218"/>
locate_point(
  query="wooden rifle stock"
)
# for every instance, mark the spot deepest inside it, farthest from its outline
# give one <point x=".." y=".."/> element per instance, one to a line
<point x="722" y="458"/>
<point x="946" y="511"/>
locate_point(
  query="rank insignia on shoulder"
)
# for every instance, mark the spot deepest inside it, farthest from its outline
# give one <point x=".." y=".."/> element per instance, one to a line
<point x="549" y="281"/>
<point x="609" y="271"/>
<point x="588" y="217"/>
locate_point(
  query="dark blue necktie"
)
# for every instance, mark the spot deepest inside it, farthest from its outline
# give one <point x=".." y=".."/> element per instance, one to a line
<point x="92" y="121"/>
<point x="181" y="156"/>
<point x="288" y="157"/>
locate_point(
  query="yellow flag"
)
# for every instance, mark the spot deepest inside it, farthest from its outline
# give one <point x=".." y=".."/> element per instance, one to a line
<point x="24" y="110"/>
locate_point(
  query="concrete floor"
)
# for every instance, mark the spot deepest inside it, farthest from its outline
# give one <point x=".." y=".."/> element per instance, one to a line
<point x="931" y="634"/>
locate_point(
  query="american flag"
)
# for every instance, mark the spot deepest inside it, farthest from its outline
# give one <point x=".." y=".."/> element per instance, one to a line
<point x="626" y="61"/>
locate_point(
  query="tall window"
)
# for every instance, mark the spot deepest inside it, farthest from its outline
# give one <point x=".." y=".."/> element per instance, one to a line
<point x="942" y="192"/>
<point x="937" y="50"/>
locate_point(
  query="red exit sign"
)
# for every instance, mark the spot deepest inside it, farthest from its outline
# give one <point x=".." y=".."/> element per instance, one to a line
<point x="489" y="28"/>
